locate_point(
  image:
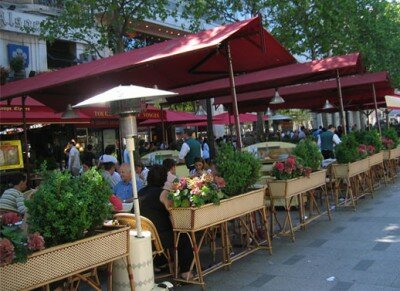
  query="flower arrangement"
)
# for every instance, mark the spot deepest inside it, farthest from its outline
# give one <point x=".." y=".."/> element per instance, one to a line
<point x="347" y="151"/>
<point x="197" y="191"/>
<point x="290" y="169"/>
<point x="370" y="138"/>
<point x="15" y="246"/>
<point x="309" y="154"/>
<point x="388" y="143"/>
<point x="390" y="139"/>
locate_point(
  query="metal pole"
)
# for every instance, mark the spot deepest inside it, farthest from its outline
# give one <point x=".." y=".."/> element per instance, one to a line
<point x="234" y="98"/>
<point x="339" y="86"/>
<point x="210" y="132"/>
<point x="376" y="109"/>
<point x="26" y="157"/>
<point x="162" y="126"/>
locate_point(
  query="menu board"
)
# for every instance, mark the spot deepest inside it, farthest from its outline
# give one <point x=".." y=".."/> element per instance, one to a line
<point x="11" y="155"/>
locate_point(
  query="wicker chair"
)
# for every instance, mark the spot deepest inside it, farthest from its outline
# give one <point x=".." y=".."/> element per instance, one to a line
<point x="158" y="249"/>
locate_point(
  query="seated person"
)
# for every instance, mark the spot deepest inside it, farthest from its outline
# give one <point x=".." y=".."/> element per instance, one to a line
<point x="154" y="209"/>
<point x="110" y="175"/>
<point x="109" y="156"/>
<point x="170" y="167"/>
<point x="199" y="168"/>
<point x="123" y="189"/>
<point x="141" y="173"/>
<point x="12" y="198"/>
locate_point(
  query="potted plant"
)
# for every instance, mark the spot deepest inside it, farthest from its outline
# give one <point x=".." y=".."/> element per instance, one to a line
<point x="240" y="170"/>
<point x="307" y="150"/>
<point x="374" y="146"/>
<point x="3" y="75"/>
<point x="66" y="211"/>
<point x="350" y="158"/>
<point x="17" y="65"/>
<point x="390" y="141"/>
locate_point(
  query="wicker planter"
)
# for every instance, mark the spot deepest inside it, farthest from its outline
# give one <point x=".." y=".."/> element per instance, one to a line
<point x="65" y="260"/>
<point x="376" y="159"/>
<point x="345" y="171"/>
<point x="293" y="187"/>
<point x="391" y="154"/>
<point x="194" y="219"/>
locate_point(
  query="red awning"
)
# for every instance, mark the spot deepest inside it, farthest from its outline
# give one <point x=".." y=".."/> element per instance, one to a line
<point x="36" y="112"/>
<point x="223" y="119"/>
<point x="175" y="117"/>
<point x="275" y="77"/>
<point x="175" y="63"/>
<point x="356" y="90"/>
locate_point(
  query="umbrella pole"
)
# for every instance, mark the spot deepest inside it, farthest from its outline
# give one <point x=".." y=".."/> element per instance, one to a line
<point x="376" y="109"/>
<point x="28" y="176"/>
<point x="162" y="125"/>
<point x="339" y="86"/>
<point x="234" y="99"/>
<point x="210" y="131"/>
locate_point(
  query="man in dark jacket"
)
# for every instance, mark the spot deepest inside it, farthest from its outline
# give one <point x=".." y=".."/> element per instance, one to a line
<point x="190" y="150"/>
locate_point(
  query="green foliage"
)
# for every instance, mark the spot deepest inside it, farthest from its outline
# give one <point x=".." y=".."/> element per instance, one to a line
<point x="64" y="208"/>
<point x="392" y="134"/>
<point x="372" y="138"/>
<point x="240" y="169"/>
<point x="307" y="150"/>
<point x="16" y="236"/>
<point x="347" y="150"/>
<point x="17" y="63"/>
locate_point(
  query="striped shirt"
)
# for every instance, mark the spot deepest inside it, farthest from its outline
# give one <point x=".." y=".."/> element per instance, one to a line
<point x="13" y="200"/>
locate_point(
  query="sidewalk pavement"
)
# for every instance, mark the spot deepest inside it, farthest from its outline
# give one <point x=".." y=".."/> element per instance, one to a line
<point x="355" y="251"/>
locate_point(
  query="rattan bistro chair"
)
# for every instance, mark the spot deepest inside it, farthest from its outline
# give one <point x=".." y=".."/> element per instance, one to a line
<point x="158" y="249"/>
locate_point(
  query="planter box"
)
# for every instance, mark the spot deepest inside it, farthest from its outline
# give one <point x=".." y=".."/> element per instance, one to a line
<point x="376" y="159"/>
<point x="293" y="187"/>
<point x="345" y="171"/>
<point x="194" y="219"/>
<point x="56" y="263"/>
<point x="391" y="154"/>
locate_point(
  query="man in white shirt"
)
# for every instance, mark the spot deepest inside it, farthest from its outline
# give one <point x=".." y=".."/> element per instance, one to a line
<point x="327" y="140"/>
<point x="74" y="161"/>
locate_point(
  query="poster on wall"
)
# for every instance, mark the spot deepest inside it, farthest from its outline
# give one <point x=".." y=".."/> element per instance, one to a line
<point x="11" y="155"/>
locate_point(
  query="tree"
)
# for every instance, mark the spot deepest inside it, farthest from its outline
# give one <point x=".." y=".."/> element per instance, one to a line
<point x="103" y="24"/>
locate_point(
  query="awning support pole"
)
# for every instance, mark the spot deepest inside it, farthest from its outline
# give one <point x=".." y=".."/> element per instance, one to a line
<point x="339" y="87"/>
<point x="163" y="126"/>
<point x="210" y="131"/>
<point x="234" y="98"/>
<point x="376" y="109"/>
<point x="26" y="157"/>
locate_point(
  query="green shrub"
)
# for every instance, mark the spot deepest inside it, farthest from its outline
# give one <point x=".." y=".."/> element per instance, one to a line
<point x="308" y="152"/>
<point x="240" y="169"/>
<point x="392" y="134"/>
<point x="65" y="208"/>
<point x="17" y="63"/>
<point x="372" y="138"/>
<point x="347" y="150"/>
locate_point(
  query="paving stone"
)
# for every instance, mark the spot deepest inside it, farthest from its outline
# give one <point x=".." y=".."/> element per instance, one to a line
<point x="363" y="265"/>
<point x="338" y="229"/>
<point x="317" y="243"/>
<point x="262" y="280"/>
<point x="381" y="246"/>
<point x="342" y="286"/>
<point x="293" y="260"/>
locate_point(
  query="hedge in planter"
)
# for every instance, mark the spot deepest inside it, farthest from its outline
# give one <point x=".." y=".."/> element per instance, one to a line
<point x="240" y="169"/>
<point x="309" y="154"/>
<point x="347" y="150"/>
<point x="65" y="209"/>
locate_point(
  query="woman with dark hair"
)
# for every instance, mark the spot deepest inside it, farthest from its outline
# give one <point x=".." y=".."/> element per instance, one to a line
<point x="153" y="208"/>
<point x="13" y="199"/>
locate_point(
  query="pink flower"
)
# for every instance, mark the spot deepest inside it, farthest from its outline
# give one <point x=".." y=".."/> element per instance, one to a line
<point x="198" y="184"/>
<point x="291" y="161"/>
<point x="371" y="149"/>
<point x="183" y="182"/>
<point x="195" y="191"/>
<point x="35" y="242"/>
<point x="288" y="170"/>
<point x="6" y="251"/>
<point x="279" y="166"/>
<point x="219" y="181"/>
<point x="307" y="171"/>
<point x="10" y="218"/>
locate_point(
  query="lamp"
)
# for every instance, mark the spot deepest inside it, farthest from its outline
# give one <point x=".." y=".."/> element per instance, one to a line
<point x="277" y="99"/>
<point x="69" y="113"/>
<point x="327" y="105"/>
<point x="269" y="112"/>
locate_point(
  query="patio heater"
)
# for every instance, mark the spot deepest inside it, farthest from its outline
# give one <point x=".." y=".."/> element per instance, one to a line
<point x="127" y="102"/>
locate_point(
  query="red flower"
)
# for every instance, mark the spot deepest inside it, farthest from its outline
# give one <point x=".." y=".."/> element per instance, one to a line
<point x="35" y="242"/>
<point x="291" y="161"/>
<point x="219" y="181"/>
<point x="307" y="171"/>
<point x="6" y="251"/>
<point x="371" y="149"/>
<point x="279" y="166"/>
<point x="116" y="202"/>
<point x="10" y="218"/>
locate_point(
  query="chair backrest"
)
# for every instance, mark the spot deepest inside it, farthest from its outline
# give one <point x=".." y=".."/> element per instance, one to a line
<point x="130" y="219"/>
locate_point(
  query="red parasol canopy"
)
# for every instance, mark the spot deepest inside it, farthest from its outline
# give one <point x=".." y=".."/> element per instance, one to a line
<point x="175" y="117"/>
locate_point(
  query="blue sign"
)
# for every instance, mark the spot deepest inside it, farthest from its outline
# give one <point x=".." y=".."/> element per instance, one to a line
<point x="15" y="50"/>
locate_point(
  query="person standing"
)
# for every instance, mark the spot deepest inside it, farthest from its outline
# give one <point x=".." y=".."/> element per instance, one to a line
<point x="74" y="162"/>
<point x="190" y="150"/>
<point x="327" y="140"/>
